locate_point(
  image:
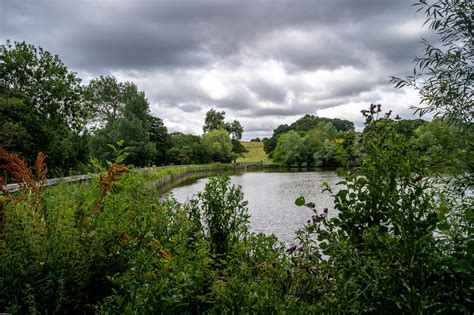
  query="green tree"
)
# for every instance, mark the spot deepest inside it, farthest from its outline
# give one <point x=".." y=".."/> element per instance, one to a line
<point x="125" y="115"/>
<point x="235" y="129"/>
<point x="270" y="144"/>
<point x="214" y="120"/>
<point x="322" y="149"/>
<point x="305" y="124"/>
<point x="159" y="136"/>
<point x="105" y="95"/>
<point x="445" y="147"/>
<point x="42" y="104"/>
<point x="219" y="145"/>
<point x="42" y="81"/>
<point x="238" y="149"/>
<point x="443" y="76"/>
<point x="186" y="149"/>
<point x="291" y="149"/>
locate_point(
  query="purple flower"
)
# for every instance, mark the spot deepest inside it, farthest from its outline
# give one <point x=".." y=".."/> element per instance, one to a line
<point x="239" y="263"/>
<point x="291" y="249"/>
<point x="223" y="278"/>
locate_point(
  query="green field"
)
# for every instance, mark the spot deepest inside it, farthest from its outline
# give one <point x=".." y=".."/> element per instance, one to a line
<point x="255" y="154"/>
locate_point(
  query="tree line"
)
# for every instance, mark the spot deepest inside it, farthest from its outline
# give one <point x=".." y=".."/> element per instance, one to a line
<point x="323" y="142"/>
<point x="45" y="107"/>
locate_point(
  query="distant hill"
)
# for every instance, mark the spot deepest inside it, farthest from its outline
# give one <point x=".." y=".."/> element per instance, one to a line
<point x="255" y="154"/>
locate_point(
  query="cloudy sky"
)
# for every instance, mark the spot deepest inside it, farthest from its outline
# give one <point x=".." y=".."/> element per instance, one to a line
<point x="262" y="62"/>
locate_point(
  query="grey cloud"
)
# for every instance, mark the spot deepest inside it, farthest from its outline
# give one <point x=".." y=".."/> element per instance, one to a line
<point x="190" y="108"/>
<point x="187" y="33"/>
<point x="158" y="45"/>
<point x="269" y="92"/>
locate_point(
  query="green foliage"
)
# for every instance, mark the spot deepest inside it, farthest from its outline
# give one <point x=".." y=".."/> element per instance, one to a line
<point x="160" y="137"/>
<point x="224" y="213"/>
<point x="123" y="113"/>
<point x="443" y="76"/>
<point x="235" y="129"/>
<point x="446" y="147"/>
<point x="43" y="82"/>
<point x="218" y="145"/>
<point x="238" y="148"/>
<point x="291" y="149"/>
<point x="386" y="246"/>
<point x="214" y="120"/>
<point x="41" y="107"/>
<point x="220" y="142"/>
<point x="315" y="147"/>
<point x="303" y="125"/>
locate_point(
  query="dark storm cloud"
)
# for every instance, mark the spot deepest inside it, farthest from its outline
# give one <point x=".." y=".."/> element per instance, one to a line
<point x="141" y="34"/>
<point x="325" y="54"/>
<point x="269" y="92"/>
<point x="190" y="108"/>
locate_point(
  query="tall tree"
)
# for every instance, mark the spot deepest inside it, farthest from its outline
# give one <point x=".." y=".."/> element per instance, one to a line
<point x="235" y="129"/>
<point x="219" y="145"/>
<point x="124" y="114"/>
<point x="42" y="81"/>
<point x="105" y="96"/>
<point x="159" y="136"/>
<point x="214" y="120"/>
<point x="42" y="107"/>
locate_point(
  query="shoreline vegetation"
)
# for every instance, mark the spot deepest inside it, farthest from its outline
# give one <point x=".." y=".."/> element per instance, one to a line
<point x="160" y="175"/>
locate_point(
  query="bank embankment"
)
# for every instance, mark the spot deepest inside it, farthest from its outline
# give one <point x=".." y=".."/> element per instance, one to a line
<point x="164" y="176"/>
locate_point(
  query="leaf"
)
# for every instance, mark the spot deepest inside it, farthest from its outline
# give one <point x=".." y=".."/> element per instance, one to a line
<point x="300" y="201"/>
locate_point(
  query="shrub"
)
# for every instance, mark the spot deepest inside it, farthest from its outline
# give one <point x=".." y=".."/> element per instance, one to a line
<point x="224" y="214"/>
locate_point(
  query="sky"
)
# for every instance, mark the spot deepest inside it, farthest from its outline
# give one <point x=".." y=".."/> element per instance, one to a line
<point x="263" y="62"/>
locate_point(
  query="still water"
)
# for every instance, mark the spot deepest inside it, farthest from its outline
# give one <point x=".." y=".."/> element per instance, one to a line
<point x="271" y="198"/>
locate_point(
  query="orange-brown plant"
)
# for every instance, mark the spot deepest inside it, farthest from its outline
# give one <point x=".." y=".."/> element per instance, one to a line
<point x="41" y="168"/>
<point x="108" y="181"/>
<point x="12" y="164"/>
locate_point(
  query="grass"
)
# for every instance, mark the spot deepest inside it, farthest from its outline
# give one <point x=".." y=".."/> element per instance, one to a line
<point x="255" y="154"/>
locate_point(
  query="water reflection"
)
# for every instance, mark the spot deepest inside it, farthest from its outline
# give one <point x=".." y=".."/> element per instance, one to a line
<point x="271" y="198"/>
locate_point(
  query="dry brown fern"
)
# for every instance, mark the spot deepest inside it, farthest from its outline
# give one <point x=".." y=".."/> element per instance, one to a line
<point x="41" y="168"/>
<point x="108" y="181"/>
<point x="12" y="164"/>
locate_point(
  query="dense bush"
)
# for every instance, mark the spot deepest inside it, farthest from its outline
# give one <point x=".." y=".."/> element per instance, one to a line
<point x="387" y="246"/>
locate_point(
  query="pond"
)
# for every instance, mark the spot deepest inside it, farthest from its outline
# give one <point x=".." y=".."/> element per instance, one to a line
<point x="271" y="198"/>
